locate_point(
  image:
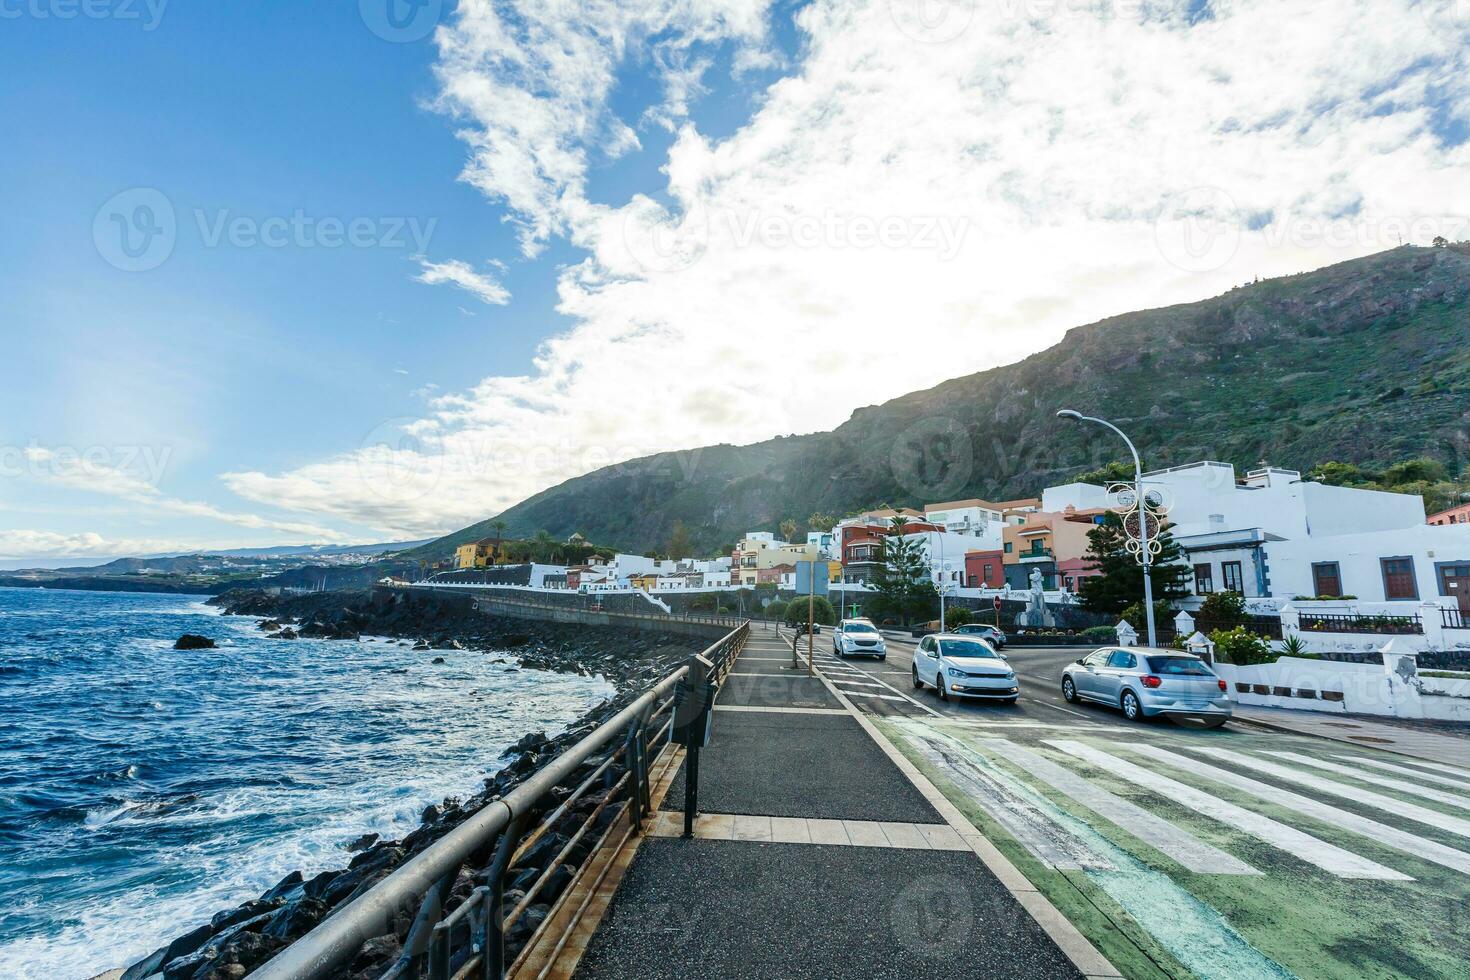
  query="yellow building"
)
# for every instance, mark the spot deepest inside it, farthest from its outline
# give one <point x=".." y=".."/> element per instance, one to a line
<point x="480" y="554"/>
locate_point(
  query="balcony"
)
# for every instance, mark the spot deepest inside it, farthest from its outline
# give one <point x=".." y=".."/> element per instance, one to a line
<point x="1036" y="555"/>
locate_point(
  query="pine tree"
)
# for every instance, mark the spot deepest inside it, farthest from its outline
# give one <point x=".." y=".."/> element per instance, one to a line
<point x="902" y="581"/>
<point x="1120" y="582"/>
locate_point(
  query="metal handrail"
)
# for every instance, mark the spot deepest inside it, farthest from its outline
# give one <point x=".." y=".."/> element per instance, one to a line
<point x="428" y="876"/>
<point x="683" y="617"/>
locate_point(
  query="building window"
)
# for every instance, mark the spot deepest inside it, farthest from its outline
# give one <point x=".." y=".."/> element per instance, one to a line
<point x="1398" y="579"/>
<point x="1204" y="582"/>
<point x="989" y="574"/>
<point x="1008" y="547"/>
<point x="1232" y="578"/>
<point x="1327" y="578"/>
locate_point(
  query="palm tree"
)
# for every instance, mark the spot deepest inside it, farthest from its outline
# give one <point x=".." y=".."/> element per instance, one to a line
<point x="788" y="529"/>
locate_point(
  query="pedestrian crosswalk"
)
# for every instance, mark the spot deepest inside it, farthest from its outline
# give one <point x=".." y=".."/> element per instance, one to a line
<point x="1347" y="815"/>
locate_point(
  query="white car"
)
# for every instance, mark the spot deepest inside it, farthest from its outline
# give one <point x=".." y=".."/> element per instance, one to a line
<point x="965" y="667"/>
<point x="858" y="637"/>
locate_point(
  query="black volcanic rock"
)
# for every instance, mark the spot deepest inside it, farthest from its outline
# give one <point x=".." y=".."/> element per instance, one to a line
<point x="193" y="641"/>
<point x="237" y="941"/>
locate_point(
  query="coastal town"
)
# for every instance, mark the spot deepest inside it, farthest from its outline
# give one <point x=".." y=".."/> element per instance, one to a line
<point x="1274" y="537"/>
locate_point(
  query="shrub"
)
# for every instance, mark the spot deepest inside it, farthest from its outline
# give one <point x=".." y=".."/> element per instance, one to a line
<point x="1100" y="634"/>
<point x="1294" y="647"/>
<point x="822" y="611"/>
<point x="1223" y="609"/>
<point x="957" y="616"/>
<point x="1163" y="615"/>
<point x="1241" y="647"/>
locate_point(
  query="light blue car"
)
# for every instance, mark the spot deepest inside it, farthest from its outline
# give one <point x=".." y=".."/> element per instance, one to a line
<point x="1147" y="682"/>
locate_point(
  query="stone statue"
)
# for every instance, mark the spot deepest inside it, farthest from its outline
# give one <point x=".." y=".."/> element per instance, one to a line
<point x="1036" y="614"/>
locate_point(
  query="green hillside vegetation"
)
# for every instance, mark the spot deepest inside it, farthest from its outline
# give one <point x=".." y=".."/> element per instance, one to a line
<point x="1365" y="363"/>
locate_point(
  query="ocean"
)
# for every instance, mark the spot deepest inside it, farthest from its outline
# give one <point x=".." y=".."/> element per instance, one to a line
<point x="142" y="788"/>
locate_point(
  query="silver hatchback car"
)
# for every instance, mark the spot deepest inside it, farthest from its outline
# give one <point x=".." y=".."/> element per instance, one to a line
<point x="1146" y="682"/>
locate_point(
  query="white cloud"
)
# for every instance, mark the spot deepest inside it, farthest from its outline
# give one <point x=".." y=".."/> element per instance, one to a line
<point x="920" y="200"/>
<point x="80" y="472"/>
<point x="459" y="273"/>
<point x="20" y="544"/>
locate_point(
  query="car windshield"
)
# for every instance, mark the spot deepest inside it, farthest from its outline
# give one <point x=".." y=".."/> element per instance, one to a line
<point x="1178" y="665"/>
<point x="858" y="628"/>
<point x="965" y="648"/>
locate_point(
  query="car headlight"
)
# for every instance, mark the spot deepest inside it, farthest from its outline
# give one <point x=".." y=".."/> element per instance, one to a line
<point x="1010" y="675"/>
<point x="955" y="672"/>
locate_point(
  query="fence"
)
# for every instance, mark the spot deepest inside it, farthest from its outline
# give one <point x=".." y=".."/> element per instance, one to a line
<point x="1268" y="627"/>
<point x="1453" y="619"/>
<point x="611" y="769"/>
<point x="1382" y="625"/>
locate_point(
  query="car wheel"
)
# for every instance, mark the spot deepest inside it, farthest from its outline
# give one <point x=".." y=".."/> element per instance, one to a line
<point x="1069" y="690"/>
<point x="918" y="684"/>
<point x="1012" y="701"/>
<point x="1132" y="710"/>
<point x="1215" y="722"/>
<point x="939" y="686"/>
<point x="883" y="658"/>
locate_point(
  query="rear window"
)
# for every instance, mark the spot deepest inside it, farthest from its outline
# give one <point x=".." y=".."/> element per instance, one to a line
<point x="1178" y="665"/>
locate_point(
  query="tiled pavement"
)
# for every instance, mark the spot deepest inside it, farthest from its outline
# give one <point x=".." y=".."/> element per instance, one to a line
<point x="820" y="853"/>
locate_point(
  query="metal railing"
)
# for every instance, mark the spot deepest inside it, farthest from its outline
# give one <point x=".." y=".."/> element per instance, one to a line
<point x="1268" y="627"/>
<point x="1453" y="619"/>
<point x="592" y="605"/>
<point x="1383" y="625"/>
<point x="608" y="775"/>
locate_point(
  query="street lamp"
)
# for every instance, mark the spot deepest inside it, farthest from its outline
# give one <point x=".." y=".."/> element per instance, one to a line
<point x="1143" y="553"/>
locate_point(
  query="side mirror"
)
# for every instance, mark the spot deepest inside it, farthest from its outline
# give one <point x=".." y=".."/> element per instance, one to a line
<point x="1081" y="660"/>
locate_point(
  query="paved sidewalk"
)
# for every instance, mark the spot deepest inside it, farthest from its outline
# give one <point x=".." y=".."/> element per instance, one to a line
<point x="818" y="855"/>
<point x="1426" y="744"/>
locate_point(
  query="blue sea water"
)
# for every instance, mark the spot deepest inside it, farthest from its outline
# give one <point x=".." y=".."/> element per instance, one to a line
<point x="142" y="788"/>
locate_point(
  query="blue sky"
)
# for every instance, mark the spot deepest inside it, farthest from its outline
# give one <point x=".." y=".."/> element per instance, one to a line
<point x="226" y="396"/>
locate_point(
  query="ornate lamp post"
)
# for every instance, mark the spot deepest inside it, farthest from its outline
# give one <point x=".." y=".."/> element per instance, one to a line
<point x="1146" y="538"/>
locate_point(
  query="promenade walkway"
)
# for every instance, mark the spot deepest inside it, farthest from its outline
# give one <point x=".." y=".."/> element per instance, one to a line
<point x="820" y="852"/>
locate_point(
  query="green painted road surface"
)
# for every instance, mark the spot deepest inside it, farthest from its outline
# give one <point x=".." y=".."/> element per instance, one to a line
<point x="1220" y="855"/>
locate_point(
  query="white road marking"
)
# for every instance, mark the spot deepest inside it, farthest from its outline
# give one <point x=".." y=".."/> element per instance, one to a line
<point x="1177" y="843"/>
<point x="1455" y="825"/>
<point x="1413" y="789"/>
<point x="1461" y="783"/>
<point x="843" y="680"/>
<point x="865" y="694"/>
<point x="1388" y="836"/>
<point x="1328" y="857"/>
<point x="1441" y="767"/>
<point x="1051" y="843"/>
<point x="900" y="695"/>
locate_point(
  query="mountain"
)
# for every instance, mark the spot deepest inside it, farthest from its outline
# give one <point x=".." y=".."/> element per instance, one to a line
<point x="1367" y="361"/>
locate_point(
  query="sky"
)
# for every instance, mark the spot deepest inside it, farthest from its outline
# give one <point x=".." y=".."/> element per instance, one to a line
<point x="283" y="273"/>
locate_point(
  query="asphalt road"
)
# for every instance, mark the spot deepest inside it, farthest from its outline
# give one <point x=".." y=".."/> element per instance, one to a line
<point x="886" y="687"/>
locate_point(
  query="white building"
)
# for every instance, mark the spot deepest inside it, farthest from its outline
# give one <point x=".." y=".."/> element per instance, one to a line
<point x="1273" y="534"/>
<point x="945" y="553"/>
<point x="980" y="520"/>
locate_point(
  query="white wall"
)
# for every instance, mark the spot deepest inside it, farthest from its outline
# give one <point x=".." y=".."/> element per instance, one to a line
<point x="1358" y="555"/>
<point x="1082" y="496"/>
<point x="1341" y="510"/>
<point x="633" y="565"/>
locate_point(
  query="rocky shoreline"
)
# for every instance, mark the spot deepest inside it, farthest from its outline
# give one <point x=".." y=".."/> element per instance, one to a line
<point x="237" y="941"/>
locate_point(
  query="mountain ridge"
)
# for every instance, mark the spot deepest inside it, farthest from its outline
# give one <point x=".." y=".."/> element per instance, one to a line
<point x="1364" y="361"/>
